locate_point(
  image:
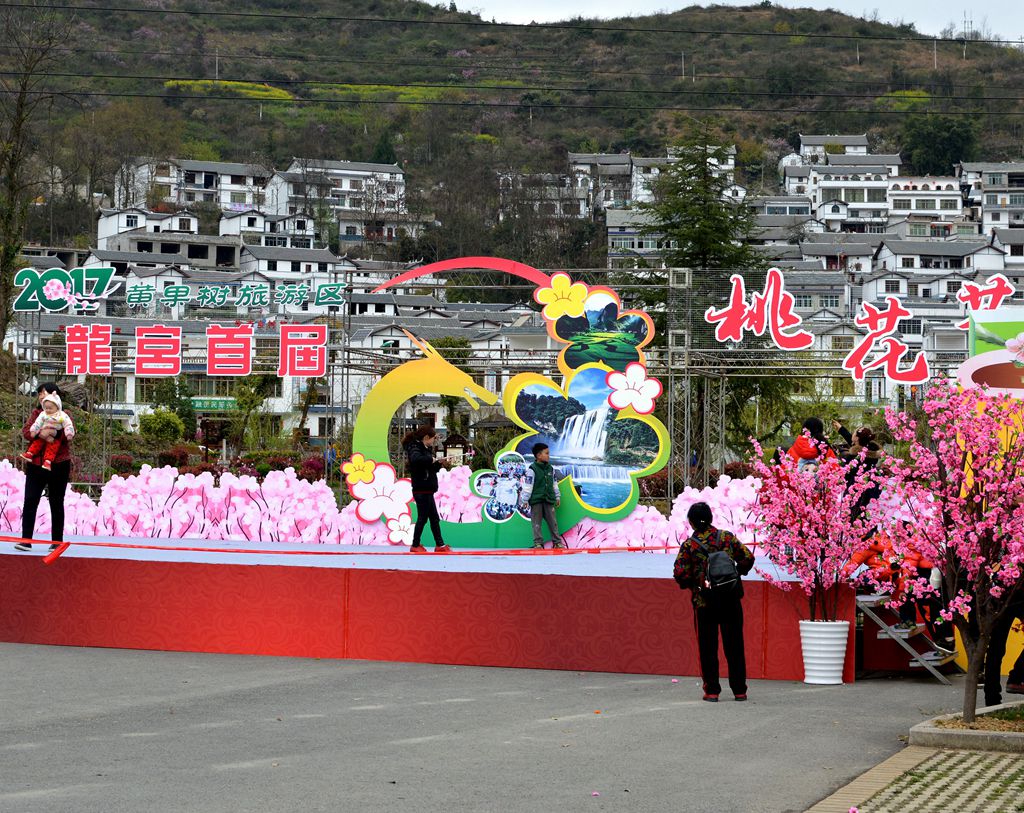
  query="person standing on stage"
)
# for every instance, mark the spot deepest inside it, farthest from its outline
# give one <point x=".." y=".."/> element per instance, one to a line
<point x="709" y="564"/>
<point x="54" y="479"/>
<point x="423" y="469"/>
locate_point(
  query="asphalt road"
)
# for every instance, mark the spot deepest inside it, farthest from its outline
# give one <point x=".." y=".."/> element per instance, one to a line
<point x="111" y="730"/>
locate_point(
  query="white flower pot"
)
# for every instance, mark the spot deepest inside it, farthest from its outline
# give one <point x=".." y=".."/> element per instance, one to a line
<point x="824" y="648"/>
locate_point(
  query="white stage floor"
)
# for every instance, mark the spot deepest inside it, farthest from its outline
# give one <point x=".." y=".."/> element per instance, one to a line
<point x="603" y="563"/>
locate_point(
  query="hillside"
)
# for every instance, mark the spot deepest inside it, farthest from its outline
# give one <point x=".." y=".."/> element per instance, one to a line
<point x="531" y="72"/>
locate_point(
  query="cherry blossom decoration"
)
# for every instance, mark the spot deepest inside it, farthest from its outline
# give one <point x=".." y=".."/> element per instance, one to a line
<point x="383" y="496"/>
<point x="563" y="298"/>
<point x="633" y="389"/>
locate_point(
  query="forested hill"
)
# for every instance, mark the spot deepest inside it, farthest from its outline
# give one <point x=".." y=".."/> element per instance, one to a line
<point x="361" y="78"/>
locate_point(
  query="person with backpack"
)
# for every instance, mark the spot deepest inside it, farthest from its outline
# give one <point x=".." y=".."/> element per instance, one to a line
<point x="710" y="563"/>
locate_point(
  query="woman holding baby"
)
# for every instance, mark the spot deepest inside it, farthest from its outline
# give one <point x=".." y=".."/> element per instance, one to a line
<point x="49" y="430"/>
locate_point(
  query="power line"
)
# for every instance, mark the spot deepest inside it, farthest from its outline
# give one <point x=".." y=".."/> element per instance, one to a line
<point x="533" y="106"/>
<point x="516" y="88"/>
<point x="663" y="74"/>
<point x="571" y="26"/>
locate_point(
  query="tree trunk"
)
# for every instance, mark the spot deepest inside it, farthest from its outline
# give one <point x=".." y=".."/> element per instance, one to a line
<point x="975" y="667"/>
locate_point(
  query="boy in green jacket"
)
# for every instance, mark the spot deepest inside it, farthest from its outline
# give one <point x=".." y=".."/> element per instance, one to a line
<point x="545" y="497"/>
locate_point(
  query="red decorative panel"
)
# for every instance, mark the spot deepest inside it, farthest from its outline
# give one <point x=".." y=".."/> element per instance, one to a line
<point x="535" y="621"/>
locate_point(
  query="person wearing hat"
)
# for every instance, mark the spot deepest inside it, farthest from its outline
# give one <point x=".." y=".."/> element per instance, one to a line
<point x="46" y="431"/>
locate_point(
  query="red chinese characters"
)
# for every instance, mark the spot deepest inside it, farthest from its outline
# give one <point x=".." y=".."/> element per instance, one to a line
<point x="229" y="349"/>
<point x="303" y="351"/>
<point x="881" y="324"/>
<point x="88" y="350"/>
<point x="985" y="297"/>
<point x="157" y="350"/>
<point x="770" y="310"/>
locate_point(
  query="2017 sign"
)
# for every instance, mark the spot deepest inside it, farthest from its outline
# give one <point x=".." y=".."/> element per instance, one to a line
<point x="55" y="289"/>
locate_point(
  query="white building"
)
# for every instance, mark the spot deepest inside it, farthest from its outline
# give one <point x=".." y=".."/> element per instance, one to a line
<point x="112" y="222"/>
<point x="994" y="192"/>
<point x="813" y="147"/>
<point x="181" y="182"/>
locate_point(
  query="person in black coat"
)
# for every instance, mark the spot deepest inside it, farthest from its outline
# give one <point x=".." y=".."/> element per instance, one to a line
<point x="423" y="469"/>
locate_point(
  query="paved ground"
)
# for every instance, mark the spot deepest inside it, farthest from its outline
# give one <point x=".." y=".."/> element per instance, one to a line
<point x="109" y="730"/>
<point x="964" y="781"/>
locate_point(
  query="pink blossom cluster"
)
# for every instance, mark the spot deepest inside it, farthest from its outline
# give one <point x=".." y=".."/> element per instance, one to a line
<point x="811" y="523"/>
<point x="961" y="495"/>
<point x="732" y="503"/>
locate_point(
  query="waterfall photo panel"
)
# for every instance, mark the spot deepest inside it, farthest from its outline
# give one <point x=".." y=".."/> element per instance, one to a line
<point x="587" y="443"/>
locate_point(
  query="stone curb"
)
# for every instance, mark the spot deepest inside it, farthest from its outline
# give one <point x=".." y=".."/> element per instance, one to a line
<point x="929" y="735"/>
<point x="876" y="779"/>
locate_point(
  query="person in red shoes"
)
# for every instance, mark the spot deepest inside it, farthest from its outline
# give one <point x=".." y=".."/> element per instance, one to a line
<point x="709" y="564"/>
<point x="423" y="469"/>
<point x="53" y="480"/>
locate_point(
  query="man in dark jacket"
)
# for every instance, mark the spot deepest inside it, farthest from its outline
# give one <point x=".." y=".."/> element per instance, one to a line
<point x="544" y="498"/>
<point x="712" y="608"/>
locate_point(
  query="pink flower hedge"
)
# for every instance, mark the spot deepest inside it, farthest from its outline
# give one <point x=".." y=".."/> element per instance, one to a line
<point x="163" y="504"/>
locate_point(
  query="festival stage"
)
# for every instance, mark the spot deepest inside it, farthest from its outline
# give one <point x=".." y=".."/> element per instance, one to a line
<point x="588" y="611"/>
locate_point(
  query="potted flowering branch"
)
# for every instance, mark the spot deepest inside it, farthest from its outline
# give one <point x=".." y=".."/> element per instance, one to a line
<point x="810" y="523"/>
<point x="960" y="495"/>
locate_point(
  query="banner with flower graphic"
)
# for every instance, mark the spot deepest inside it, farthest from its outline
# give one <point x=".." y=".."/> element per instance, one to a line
<point x="597" y="415"/>
<point x="997" y="351"/>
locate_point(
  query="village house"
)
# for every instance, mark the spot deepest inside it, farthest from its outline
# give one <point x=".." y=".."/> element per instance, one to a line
<point x="813" y="147"/>
<point x="182" y="182"/>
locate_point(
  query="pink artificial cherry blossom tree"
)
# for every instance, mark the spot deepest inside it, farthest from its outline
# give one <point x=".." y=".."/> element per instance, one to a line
<point x="810" y="524"/>
<point x="961" y="498"/>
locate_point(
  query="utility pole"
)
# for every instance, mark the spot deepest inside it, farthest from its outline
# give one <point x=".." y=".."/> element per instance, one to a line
<point x="216" y="65"/>
<point x="935" y="54"/>
<point x="682" y="62"/>
<point x="858" y="53"/>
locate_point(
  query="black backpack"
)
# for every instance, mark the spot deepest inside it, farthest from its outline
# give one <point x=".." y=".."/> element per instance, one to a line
<point x="720" y="570"/>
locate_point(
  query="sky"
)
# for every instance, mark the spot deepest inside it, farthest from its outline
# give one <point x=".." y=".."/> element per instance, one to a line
<point x="1002" y="17"/>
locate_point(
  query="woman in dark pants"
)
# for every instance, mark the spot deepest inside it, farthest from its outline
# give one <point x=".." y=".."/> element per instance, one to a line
<point x="423" y="470"/>
<point x="55" y="481"/>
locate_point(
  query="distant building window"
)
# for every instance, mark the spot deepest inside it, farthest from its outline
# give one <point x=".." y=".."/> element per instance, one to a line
<point x="184" y="224"/>
<point x="995" y="180"/>
<point x="907" y="262"/>
<point x="321" y="266"/>
<point x="190" y="177"/>
<point x="238" y="197"/>
<point x="876" y="196"/>
<point x="144" y="248"/>
<point x="351" y="231"/>
<point x="355" y="184"/>
<point x="238" y="180"/>
<point x="918" y="229"/>
<point x="803" y="301"/>
<point x="829" y="301"/>
<point x="996" y="216"/>
<point x="924" y="203"/>
<point x="949" y="205"/>
<point x="842" y="342"/>
<point x="208" y="197"/>
<point x="953" y="285"/>
<point x="1017" y="251"/>
<point x="300" y="225"/>
<point x="163" y="170"/>
<point x="190" y="197"/>
<point x="131" y="221"/>
<point x="991" y="200"/>
<point x="1017" y="200"/>
<point x="892" y="286"/>
<point x="301" y="242"/>
<point x="901" y="203"/>
<point x="271" y="265"/>
<point x="250" y="222"/>
<point x="911" y="327"/>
